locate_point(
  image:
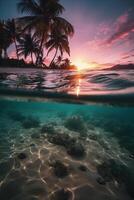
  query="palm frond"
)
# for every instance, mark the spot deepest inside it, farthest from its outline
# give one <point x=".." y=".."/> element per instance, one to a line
<point x="50" y="49"/>
<point x="27" y="23"/>
<point x="43" y="18"/>
<point x="29" y="7"/>
<point x="64" y="26"/>
<point x="28" y="44"/>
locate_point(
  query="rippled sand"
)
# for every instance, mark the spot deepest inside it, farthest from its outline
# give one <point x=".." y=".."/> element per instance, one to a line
<point x="33" y="177"/>
<point x="51" y="151"/>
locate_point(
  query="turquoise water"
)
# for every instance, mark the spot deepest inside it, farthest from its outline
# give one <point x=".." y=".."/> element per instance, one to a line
<point x="52" y="150"/>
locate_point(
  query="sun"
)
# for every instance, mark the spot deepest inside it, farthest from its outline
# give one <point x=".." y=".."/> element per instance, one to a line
<point x="80" y="64"/>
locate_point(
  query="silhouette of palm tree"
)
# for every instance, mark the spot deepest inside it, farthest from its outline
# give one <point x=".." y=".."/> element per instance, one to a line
<point x="66" y="62"/>
<point x="59" y="60"/>
<point x="5" y="39"/>
<point x="14" y="33"/>
<point x="43" y="17"/>
<point x="28" y="45"/>
<point x="57" y="41"/>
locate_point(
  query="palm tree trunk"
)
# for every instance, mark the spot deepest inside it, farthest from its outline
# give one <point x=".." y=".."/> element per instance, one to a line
<point x="5" y="53"/>
<point x="16" y="49"/>
<point x="0" y="53"/>
<point x="32" y="57"/>
<point x="44" y="58"/>
<point x="41" y="44"/>
<point x="54" y="57"/>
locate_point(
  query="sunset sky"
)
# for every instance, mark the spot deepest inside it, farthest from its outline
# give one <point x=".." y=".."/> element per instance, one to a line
<point x="104" y="30"/>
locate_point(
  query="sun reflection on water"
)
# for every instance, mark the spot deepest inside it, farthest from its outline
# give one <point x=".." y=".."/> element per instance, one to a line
<point x="78" y="87"/>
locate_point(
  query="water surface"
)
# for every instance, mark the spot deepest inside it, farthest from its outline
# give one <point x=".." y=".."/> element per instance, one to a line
<point x="72" y="82"/>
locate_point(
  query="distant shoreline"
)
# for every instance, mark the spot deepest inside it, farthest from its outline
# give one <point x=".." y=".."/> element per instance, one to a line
<point x="21" y="64"/>
<point x="43" y="68"/>
<point x="121" y="67"/>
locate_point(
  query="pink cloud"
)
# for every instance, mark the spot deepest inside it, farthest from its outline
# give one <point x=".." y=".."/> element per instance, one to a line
<point x="102" y="65"/>
<point x="120" y="30"/>
<point x="94" y="44"/>
<point x="104" y="29"/>
<point x="124" y="27"/>
<point x="123" y="18"/>
<point x="127" y="54"/>
<point x="125" y="57"/>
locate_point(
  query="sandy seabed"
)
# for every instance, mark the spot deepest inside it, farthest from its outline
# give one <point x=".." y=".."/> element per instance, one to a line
<point x="35" y="167"/>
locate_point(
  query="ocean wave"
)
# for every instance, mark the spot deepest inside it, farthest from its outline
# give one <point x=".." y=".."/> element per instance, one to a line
<point x="71" y="82"/>
<point x="111" y="81"/>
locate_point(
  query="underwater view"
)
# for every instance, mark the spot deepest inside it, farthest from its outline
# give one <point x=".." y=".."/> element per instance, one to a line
<point x="61" y="151"/>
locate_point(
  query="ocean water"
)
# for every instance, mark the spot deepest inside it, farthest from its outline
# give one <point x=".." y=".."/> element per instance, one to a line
<point x="71" y="146"/>
<point x="52" y="150"/>
<point x="71" y="82"/>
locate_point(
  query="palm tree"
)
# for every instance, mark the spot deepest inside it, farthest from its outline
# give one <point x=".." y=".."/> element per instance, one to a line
<point x="5" y="39"/>
<point x="28" y="45"/>
<point x="14" y="32"/>
<point x="43" y="17"/>
<point x="66" y="62"/>
<point x="59" y="60"/>
<point x="57" y="41"/>
<point x="0" y="52"/>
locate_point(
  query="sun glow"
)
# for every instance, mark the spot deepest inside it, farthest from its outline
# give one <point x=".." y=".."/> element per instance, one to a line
<point x="84" y="65"/>
<point x="80" y="64"/>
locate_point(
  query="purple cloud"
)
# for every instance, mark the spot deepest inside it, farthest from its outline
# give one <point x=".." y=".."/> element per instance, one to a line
<point x="124" y="28"/>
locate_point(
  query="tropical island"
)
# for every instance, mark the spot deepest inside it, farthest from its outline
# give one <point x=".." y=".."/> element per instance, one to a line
<point x="32" y="40"/>
<point x="129" y="66"/>
<point x="36" y="44"/>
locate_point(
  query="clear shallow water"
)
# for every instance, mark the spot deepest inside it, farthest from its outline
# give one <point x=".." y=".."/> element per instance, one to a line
<point x="59" y="151"/>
